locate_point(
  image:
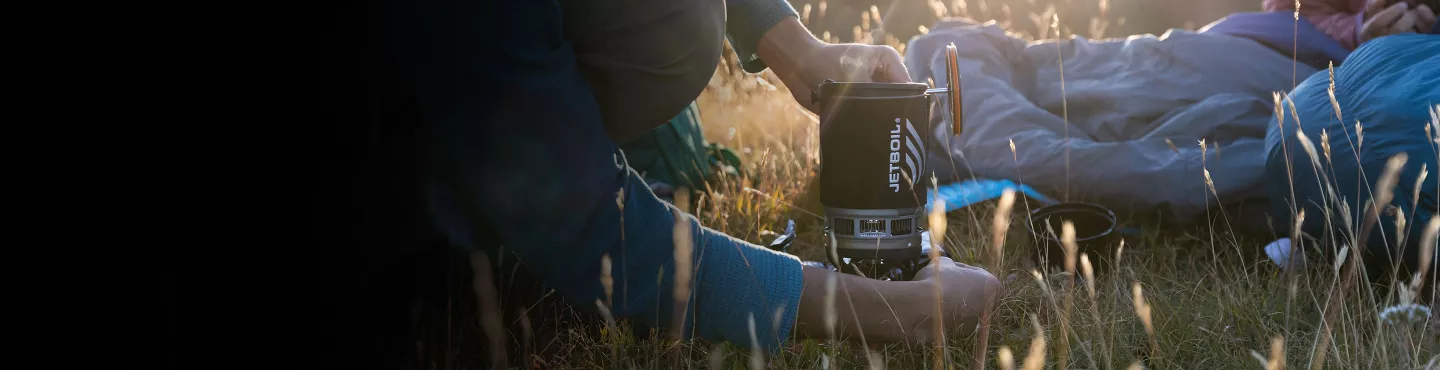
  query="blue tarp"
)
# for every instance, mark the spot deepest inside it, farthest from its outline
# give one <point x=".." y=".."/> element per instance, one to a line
<point x="964" y="193"/>
<point x="1106" y="135"/>
<point x="1389" y="87"/>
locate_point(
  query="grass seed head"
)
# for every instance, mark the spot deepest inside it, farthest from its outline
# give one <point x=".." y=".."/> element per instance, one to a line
<point x="1035" y="359"/>
<point x="1089" y="273"/>
<point x="1004" y="359"/>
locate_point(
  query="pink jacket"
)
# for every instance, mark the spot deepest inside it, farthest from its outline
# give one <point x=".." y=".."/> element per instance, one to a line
<point x="1341" y="19"/>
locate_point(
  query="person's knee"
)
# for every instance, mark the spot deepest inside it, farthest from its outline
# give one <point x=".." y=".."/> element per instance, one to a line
<point x="993" y="290"/>
<point x="987" y="291"/>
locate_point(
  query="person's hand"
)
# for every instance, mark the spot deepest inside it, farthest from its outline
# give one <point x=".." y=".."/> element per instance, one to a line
<point x="966" y="292"/>
<point x="1425" y="18"/>
<point x="895" y="311"/>
<point x="1397" y="18"/>
<point x="802" y="62"/>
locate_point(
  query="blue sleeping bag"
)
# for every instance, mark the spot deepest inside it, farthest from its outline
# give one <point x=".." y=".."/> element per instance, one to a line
<point x="1389" y="86"/>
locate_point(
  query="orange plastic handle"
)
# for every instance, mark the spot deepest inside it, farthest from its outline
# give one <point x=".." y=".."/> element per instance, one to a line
<point x="952" y="76"/>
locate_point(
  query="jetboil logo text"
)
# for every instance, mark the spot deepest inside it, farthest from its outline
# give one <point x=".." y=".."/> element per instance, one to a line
<point x="914" y="155"/>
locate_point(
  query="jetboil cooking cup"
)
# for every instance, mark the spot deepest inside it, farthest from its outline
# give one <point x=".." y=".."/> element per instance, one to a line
<point x="873" y="142"/>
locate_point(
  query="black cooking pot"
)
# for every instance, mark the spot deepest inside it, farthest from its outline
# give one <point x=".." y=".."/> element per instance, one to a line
<point x="873" y="142"/>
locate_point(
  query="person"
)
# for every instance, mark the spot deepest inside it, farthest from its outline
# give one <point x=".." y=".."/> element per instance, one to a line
<point x="1353" y="22"/>
<point x="523" y="103"/>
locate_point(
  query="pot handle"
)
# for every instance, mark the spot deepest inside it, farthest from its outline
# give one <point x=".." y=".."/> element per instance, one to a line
<point x="952" y="69"/>
<point x="952" y="88"/>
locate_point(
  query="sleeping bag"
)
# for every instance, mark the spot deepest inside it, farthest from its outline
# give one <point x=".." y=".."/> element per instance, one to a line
<point x="1386" y="92"/>
<point x="1119" y="122"/>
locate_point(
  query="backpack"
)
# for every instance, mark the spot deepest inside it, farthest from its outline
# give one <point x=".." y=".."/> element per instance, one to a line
<point x="675" y="155"/>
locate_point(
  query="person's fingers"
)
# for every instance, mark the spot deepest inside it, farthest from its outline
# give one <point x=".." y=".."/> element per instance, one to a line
<point x="888" y="67"/>
<point x="1374" y="6"/>
<point x="1425" y="19"/>
<point x="1384" y="18"/>
<point x="1380" y="23"/>
<point x="856" y="64"/>
<point x="1406" y="23"/>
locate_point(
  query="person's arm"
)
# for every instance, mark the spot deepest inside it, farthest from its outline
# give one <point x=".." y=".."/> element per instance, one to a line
<point x="521" y="160"/>
<point x="747" y="21"/>
<point x="768" y="33"/>
<point x="802" y="61"/>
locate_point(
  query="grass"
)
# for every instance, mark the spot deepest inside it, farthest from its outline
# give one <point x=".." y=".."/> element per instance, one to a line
<point x="1200" y="297"/>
